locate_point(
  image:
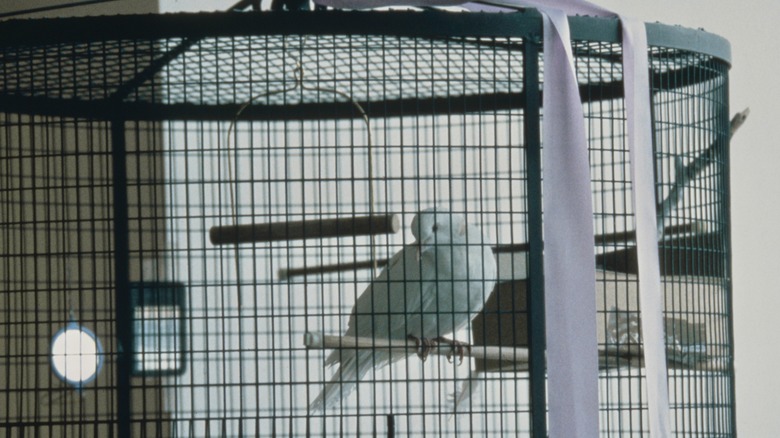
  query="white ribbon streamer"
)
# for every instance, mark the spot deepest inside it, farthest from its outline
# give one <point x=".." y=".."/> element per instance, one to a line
<point x="636" y="79"/>
<point x="637" y="99"/>
<point x="569" y="269"/>
<point x="572" y="359"/>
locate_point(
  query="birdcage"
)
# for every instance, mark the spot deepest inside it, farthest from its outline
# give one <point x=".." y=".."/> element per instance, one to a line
<point x="194" y="203"/>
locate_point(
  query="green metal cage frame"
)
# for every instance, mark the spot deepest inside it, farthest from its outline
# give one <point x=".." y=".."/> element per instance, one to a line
<point x="123" y="102"/>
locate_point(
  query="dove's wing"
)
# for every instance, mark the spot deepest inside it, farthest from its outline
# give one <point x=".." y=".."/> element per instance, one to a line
<point x="379" y="312"/>
<point x="414" y="295"/>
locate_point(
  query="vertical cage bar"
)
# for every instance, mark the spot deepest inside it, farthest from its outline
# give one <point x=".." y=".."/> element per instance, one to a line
<point x="725" y="220"/>
<point x="536" y="334"/>
<point x="122" y="298"/>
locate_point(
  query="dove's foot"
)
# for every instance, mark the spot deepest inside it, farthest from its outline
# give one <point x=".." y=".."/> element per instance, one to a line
<point x="458" y="348"/>
<point x="424" y="346"/>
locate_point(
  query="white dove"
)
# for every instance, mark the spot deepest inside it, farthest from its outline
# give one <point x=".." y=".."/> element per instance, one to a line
<point x="429" y="289"/>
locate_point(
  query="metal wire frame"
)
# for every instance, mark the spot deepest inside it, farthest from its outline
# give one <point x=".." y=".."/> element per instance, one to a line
<point x="448" y="100"/>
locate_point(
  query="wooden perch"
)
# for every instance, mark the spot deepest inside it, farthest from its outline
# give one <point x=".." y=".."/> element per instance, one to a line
<point x="321" y="228"/>
<point x="317" y="340"/>
<point x="612" y="356"/>
<point x="602" y="239"/>
<point x="619" y="237"/>
<point x="285" y="274"/>
<point x="609" y="356"/>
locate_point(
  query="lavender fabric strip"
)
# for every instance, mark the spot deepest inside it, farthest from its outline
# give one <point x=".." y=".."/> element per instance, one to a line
<point x="569" y="268"/>
<point x="639" y="126"/>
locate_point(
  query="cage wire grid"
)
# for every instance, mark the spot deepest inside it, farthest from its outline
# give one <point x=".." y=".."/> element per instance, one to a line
<point x="123" y="150"/>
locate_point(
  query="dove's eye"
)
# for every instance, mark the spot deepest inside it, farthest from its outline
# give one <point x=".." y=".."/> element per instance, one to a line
<point x="435" y="227"/>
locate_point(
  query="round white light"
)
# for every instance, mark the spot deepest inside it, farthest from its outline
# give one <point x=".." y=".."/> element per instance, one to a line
<point x="76" y="355"/>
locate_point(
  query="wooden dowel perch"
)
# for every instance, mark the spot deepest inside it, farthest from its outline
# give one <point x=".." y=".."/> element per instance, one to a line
<point x="619" y="237"/>
<point x="285" y="274"/>
<point x="322" y="228"/>
<point x="602" y="239"/>
<point x="317" y="340"/>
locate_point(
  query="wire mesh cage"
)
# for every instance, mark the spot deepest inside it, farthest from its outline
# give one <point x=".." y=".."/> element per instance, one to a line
<point x="209" y="195"/>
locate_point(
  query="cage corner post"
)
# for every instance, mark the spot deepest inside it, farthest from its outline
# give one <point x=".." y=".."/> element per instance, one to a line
<point x="122" y="298"/>
<point x="536" y="321"/>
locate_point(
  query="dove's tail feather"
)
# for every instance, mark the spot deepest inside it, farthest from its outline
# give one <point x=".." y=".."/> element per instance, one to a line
<point x="469" y="387"/>
<point x="352" y="368"/>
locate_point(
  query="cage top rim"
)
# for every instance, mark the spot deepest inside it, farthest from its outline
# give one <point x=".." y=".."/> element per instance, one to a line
<point x="69" y="37"/>
<point x="428" y="23"/>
